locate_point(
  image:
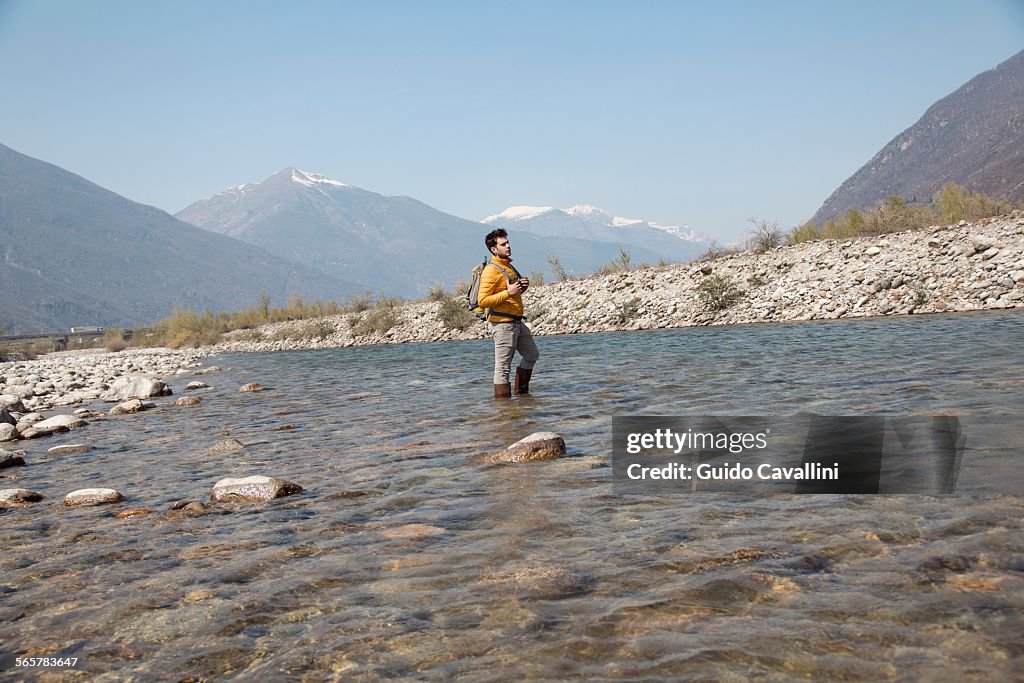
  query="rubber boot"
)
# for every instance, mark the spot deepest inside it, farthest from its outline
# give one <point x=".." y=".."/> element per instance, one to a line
<point x="523" y="380"/>
<point x="502" y="390"/>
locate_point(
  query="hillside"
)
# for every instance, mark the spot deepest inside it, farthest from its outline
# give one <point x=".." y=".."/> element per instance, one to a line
<point x="974" y="137"/>
<point x="74" y="253"/>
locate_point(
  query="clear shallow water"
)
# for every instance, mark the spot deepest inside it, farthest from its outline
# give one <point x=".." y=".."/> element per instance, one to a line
<point x="536" y="570"/>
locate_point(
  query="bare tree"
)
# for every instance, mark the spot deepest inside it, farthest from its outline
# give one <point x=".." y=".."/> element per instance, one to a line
<point x="764" y="236"/>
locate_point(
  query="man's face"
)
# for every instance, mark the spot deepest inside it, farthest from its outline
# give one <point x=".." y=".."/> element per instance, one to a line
<point x="502" y="249"/>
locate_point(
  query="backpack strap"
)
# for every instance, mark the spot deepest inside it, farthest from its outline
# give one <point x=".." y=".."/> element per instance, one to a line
<point x="508" y="277"/>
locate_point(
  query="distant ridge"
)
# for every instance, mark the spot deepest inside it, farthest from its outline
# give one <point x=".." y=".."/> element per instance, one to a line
<point x="399" y="245"/>
<point x="74" y="253"/>
<point x="974" y="137"/>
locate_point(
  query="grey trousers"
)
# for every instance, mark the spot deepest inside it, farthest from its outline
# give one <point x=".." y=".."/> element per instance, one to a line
<point x="509" y="338"/>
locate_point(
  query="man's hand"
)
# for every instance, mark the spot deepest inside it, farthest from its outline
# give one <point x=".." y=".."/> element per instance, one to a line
<point x="518" y="287"/>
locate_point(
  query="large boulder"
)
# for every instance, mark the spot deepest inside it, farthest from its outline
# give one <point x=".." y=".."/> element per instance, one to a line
<point x="536" y="446"/>
<point x="135" y="386"/>
<point x="253" y="488"/>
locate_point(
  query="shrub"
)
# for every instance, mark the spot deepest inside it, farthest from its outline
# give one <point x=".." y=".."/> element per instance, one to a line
<point x="717" y="292"/>
<point x="113" y="340"/>
<point x="359" y="303"/>
<point x="453" y="314"/>
<point x="626" y="311"/>
<point x="537" y="278"/>
<point x="435" y="292"/>
<point x="380" y="319"/>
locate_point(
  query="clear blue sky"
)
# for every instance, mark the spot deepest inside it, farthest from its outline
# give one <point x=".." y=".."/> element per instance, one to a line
<point x="701" y="114"/>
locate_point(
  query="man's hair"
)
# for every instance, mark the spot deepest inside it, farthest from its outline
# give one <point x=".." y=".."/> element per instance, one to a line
<point x="492" y="237"/>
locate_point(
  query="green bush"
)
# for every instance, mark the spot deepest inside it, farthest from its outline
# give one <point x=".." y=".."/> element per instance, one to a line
<point x="717" y="292"/>
<point x="626" y="311"/>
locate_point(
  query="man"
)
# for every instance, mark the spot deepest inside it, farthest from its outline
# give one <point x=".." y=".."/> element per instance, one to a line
<point x="501" y="292"/>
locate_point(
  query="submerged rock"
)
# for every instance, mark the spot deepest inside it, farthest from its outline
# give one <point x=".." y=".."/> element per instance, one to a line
<point x="225" y="446"/>
<point x="133" y="512"/>
<point x="188" y="401"/>
<point x="538" y="581"/>
<point x="18" y="497"/>
<point x="135" y="386"/>
<point x="536" y="446"/>
<point x="253" y="488"/>
<point x="413" y="531"/>
<point x="69" y="449"/>
<point x="92" y="497"/>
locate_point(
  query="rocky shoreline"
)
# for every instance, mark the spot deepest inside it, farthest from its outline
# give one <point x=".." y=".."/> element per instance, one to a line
<point x="963" y="267"/>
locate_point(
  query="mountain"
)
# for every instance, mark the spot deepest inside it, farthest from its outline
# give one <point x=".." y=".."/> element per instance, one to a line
<point x="398" y="245"/>
<point x="672" y="243"/>
<point x="74" y="253"/>
<point x="974" y="137"/>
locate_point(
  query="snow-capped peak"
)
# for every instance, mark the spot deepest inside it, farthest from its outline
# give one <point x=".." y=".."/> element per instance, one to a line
<point x="587" y="211"/>
<point x="312" y="179"/>
<point x="517" y="213"/>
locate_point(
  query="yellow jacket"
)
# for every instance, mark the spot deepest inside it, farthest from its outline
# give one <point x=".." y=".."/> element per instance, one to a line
<point x="494" y="292"/>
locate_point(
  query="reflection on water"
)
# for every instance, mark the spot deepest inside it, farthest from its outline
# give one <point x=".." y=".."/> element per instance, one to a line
<point x="402" y="558"/>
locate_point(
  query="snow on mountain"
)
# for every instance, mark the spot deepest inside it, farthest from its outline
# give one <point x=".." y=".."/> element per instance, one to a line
<point x="590" y="215"/>
<point x="517" y="213"/>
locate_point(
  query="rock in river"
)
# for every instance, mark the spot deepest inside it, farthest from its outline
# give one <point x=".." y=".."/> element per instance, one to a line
<point x="69" y="449"/>
<point x="253" y="488"/>
<point x="57" y="423"/>
<point x="135" y="386"/>
<point x="251" y="386"/>
<point x="18" y="497"/>
<point x="8" y="432"/>
<point x="188" y="401"/>
<point x="536" y="446"/>
<point x="8" y="459"/>
<point x="92" y="497"/>
<point x="131" y="406"/>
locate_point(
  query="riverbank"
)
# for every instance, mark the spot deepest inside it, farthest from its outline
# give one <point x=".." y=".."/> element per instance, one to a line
<point x="964" y="267"/>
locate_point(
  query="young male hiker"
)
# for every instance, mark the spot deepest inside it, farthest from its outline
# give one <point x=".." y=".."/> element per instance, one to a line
<point x="501" y="292"/>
